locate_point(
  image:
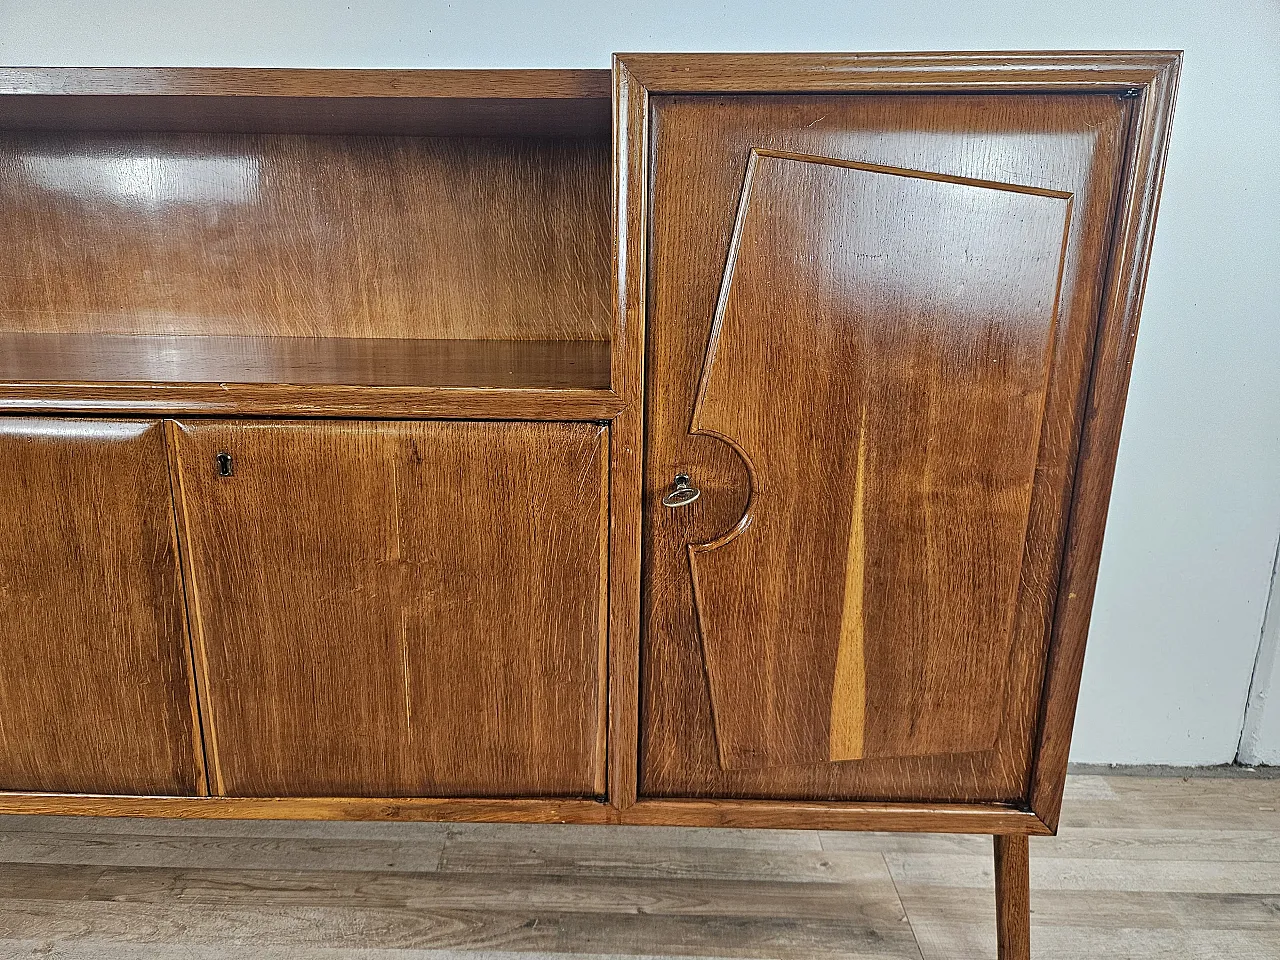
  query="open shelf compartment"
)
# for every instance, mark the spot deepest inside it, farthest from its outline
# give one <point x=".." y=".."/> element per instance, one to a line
<point x="413" y="238"/>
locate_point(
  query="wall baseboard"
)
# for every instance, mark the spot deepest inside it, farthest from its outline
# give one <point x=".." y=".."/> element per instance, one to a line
<point x="1221" y="770"/>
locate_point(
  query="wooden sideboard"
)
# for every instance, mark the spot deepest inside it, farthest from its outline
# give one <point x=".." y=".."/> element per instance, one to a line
<point x="726" y="441"/>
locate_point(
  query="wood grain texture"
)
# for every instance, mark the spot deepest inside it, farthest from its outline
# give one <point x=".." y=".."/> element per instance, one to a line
<point x="952" y="818"/>
<point x="232" y="100"/>
<point x="1013" y="892"/>
<point x="309" y="400"/>
<point x="306" y="236"/>
<point x="536" y="902"/>
<point x="304" y="361"/>
<point x="990" y="818"/>
<point x="862" y="606"/>
<point x="700" y="149"/>
<point x="1100" y="441"/>
<point x="308" y="84"/>
<point x="1092" y="147"/>
<point x="386" y="609"/>
<point x="1014" y="71"/>
<point x="626" y="434"/>
<point x="95" y="671"/>
<point x="346" y="808"/>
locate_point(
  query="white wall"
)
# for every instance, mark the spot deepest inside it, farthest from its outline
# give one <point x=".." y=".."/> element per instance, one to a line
<point x="1196" y="508"/>
<point x="1260" y="741"/>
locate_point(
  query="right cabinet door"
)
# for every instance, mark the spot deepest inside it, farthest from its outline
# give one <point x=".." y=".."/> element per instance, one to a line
<point x="870" y="327"/>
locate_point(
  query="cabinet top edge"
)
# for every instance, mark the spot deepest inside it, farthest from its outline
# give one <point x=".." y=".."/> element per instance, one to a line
<point x="305" y="83"/>
<point x="889" y="71"/>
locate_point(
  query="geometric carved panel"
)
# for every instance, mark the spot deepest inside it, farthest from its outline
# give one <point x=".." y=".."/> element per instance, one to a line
<point x="879" y="358"/>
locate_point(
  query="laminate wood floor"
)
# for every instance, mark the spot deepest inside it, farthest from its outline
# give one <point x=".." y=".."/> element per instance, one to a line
<point x="1143" y="868"/>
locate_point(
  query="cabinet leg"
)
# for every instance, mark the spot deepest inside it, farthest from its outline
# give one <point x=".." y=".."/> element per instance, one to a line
<point x="1013" y="898"/>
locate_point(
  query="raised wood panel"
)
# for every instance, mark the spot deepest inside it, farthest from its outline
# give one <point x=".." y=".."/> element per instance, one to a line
<point x="700" y="147"/>
<point x="863" y="605"/>
<point x="398" y="609"/>
<point x="305" y="236"/>
<point x="95" y="678"/>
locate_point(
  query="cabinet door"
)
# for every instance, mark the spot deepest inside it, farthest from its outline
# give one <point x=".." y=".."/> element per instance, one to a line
<point x="870" y="325"/>
<point x="95" y="681"/>
<point x="398" y="609"/>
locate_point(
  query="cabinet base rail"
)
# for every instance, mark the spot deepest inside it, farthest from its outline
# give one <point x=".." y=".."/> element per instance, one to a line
<point x="974" y="818"/>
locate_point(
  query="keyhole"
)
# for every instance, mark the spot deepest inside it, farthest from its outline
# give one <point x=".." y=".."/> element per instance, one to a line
<point x="225" y="469"/>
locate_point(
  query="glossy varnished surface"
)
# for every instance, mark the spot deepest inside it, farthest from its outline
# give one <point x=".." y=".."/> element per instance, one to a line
<point x="95" y="683"/>
<point x="1013" y="71"/>
<point x="1054" y="146"/>
<point x="385" y="609"/>
<point x="986" y="142"/>
<point x="309" y="400"/>
<point x="232" y="100"/>
<point x="862" y="606"/>
<point x="626" y="433"/>
<point x="984" y="818"/>
<point x="1013" y="907"/>
<point x="324" y="236"/>
<point x="34" y="358"/>
<point x="1147" y="147"/>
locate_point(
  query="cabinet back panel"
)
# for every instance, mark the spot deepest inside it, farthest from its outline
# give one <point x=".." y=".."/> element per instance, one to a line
<point x="95" y="678"/>
<point x="305" y="236"/>
<point x="398" y="609"/>
<point x="862" y="369"/>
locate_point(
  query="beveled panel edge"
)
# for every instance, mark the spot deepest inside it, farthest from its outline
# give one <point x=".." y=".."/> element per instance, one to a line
<point x="908" y="173"/>
<point x="196" y="674"/>
<point x="213" y="780"/>
<point x="980" y="818"/>
<point x="282" y="400"/>
<point x="997" y="70"/>
<point x="304" y="82"/>
<point x="696" y="425"/>
<point x="1121" y="306"/>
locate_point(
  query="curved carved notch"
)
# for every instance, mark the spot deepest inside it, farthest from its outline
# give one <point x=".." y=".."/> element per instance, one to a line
<point x="880" y="355"/>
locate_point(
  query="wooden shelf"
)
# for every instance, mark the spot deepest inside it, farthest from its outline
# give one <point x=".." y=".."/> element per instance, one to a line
<point x="565" y="103"/>
<point x="521" y="379"/>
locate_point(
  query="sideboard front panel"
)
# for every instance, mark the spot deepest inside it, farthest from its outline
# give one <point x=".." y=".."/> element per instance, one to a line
<point x="95" y="670"/>
<point x="869" y="335"/>
<point x="398" y="609"/>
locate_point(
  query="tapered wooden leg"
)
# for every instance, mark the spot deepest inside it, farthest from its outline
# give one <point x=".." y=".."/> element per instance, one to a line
<point x="1013" y="898"/>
